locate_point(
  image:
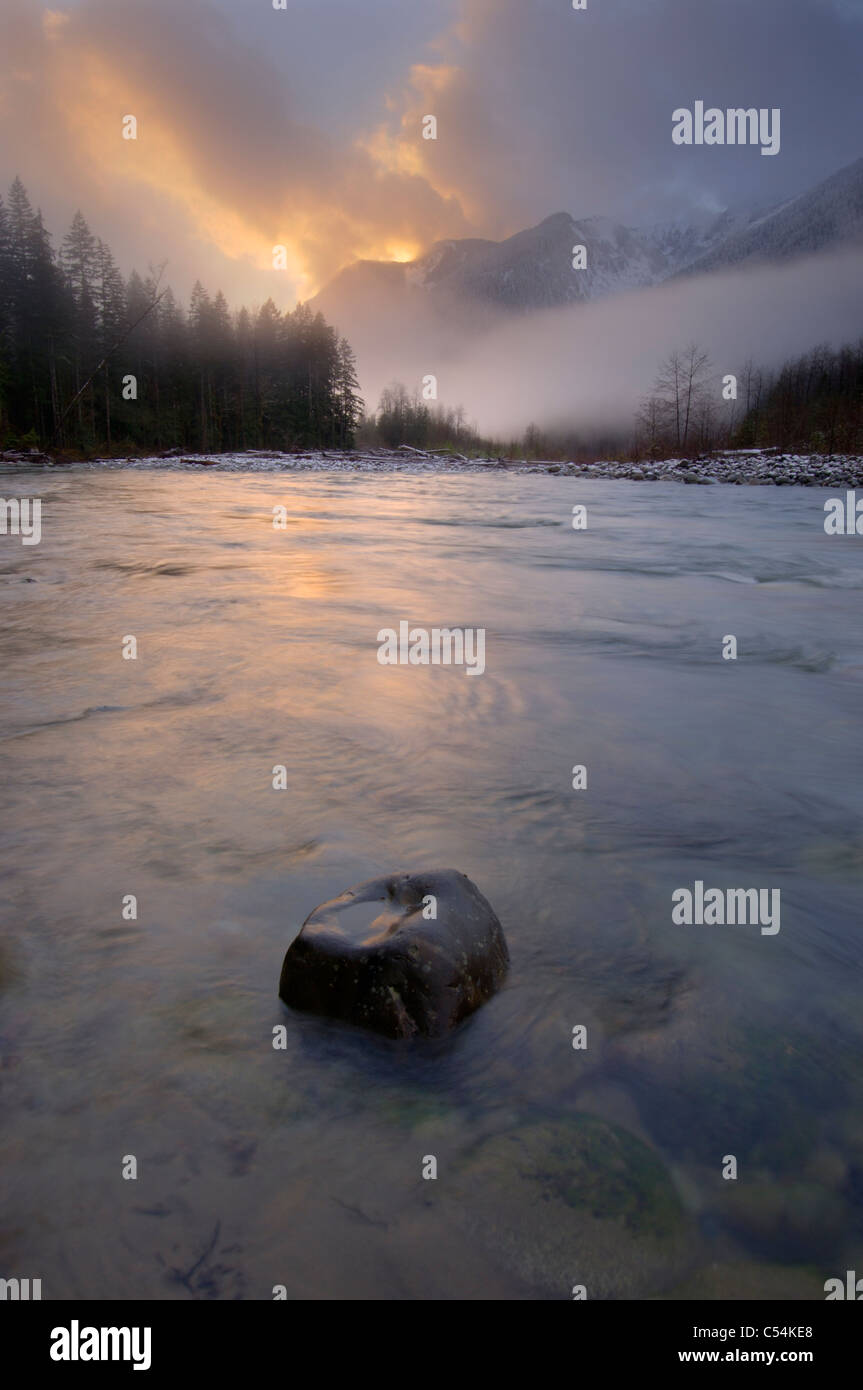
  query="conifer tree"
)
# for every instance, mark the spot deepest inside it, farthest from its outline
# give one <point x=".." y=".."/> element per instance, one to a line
<point x="71" y="332"/>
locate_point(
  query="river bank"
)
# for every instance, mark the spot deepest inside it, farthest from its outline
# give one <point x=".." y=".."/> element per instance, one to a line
<point x="754" y="468"/>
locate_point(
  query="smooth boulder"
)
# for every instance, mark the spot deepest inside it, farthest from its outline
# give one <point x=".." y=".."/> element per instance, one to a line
<point x="407" y="955"/>
<point x="568" y="1199"/>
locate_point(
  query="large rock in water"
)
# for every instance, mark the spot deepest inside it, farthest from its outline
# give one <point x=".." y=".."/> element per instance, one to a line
<point x="375" y="956"/>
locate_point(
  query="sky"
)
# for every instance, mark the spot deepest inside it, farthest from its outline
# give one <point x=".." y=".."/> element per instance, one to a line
<point x="302" y="126"/>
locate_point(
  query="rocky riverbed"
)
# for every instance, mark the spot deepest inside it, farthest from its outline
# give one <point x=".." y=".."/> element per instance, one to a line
<point x="756" y="467"/>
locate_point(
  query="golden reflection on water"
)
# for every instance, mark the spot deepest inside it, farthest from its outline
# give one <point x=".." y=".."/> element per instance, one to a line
<point x="257" y="648"/>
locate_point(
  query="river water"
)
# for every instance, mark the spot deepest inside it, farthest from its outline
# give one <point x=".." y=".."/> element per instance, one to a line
<point x="299" y="1168"/>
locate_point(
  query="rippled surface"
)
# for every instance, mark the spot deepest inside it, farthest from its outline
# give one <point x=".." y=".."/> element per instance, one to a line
<point x="256" y="647"/>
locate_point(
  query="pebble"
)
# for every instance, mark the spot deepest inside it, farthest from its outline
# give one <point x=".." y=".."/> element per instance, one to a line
<point x="752" y="468"/>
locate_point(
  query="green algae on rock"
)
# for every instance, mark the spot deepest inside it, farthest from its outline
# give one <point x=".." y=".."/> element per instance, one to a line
<point x="572" y="1201"/>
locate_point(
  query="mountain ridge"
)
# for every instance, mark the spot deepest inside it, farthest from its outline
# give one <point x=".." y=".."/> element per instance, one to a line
<point x="532" y="269"/>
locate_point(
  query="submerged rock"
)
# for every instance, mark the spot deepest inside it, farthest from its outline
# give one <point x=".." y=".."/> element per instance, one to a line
<point x="574" y="1200"/>
<point x="407" y="955"/>
<point x="786" y="1220"/>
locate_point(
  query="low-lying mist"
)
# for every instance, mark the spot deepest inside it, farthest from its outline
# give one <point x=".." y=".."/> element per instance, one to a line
<point x="585" y="367"/>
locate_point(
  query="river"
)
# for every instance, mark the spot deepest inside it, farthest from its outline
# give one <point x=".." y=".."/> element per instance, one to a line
<point x="299" y="1168"/>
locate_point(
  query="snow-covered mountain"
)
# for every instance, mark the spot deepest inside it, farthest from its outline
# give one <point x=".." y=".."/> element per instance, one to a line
<point x="827" y="217"/>
<point x="533" y="269"/>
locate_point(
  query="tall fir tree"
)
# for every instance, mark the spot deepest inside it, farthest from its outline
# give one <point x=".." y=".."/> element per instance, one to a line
<point x="205" y="380"/>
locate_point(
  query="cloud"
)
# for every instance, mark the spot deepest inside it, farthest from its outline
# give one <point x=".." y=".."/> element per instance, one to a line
<point x="223" y="165"/>
<point x="586" y="366"/>
<point x="590" y="365"/>
<point x="542" y="108"/>
<point x="303" y="127"/>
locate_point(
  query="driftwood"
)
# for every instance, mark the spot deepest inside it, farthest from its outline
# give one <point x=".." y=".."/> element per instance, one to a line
<point x="18" y="456"/>
<point x="432" y="453"/>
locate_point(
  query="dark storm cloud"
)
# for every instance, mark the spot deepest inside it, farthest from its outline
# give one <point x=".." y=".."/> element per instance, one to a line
<point x="554" y="109"/>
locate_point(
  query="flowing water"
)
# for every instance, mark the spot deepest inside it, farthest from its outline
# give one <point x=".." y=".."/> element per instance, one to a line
<point x="301" y="1166"/>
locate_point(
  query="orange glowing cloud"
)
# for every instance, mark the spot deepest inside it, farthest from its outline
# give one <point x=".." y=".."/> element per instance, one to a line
<point x="156" y="163"/>
<point x="405" y="149"/>
<point x="220" y="163"/>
